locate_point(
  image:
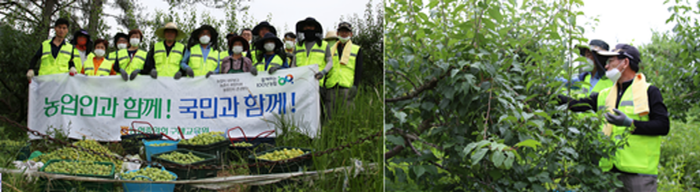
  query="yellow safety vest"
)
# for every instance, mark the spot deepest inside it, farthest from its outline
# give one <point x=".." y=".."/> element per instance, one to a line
<point x="104" y="69"/>
<point x="276" y="62"/>
<point x="50" y="65"/>
<point x="130" y="64"/>
<point x="643" y="152"/>
<point x="197" y="60"/>
<point x="342" y="75"/>
<point x="317" y="55"/>
<point x="168" y="65"/>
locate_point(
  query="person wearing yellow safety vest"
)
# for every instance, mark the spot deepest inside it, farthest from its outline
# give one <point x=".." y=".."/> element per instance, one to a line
<point x="202" y="57"/>
<point x="341" y="81"/>
<point x="96" y="64"/>
<point x="331" y="38"/>
<point x="632" y="104"/>
<point x="273" y="58"/>
<point x="224" y="54"/>
<point x="121" y="41"/>
<point x="164" y="57"/>
<point x="83" y="45"/>
<point x="593" y="75"/>
<point x="131" y="60"/>
<point x="55" y="55"/>
<point x="311" y="49"/>
<point x="289" y="41"/>
<point x="259" y="32"/>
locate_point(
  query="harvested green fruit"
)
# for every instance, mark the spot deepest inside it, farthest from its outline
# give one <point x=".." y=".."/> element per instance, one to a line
<point x="154" y="173"/>
<point x="181" y="158"/>
<point x="70" y="153"/>
<point x="242" y="144"/>
<point x="11" y="143"/>
<point x="205" y="139"/>
<point x="161" y="144"/>
<point x="279" y="155"/>
<point x="75" y="168"/>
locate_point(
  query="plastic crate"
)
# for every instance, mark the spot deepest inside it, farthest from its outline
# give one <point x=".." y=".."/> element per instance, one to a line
<point x="65" y="185"/>
<point x="133" y="142"/>
<point x="21" y="152"/>
<point x="190" y="174"/>
<point x="218" y="149"/>
<point x="154" y="187"/>
<point x="281" y="166"/>
<point x="150" y="150"/>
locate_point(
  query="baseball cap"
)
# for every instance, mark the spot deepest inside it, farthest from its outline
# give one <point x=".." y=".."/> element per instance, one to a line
<point x="595" y="45"/>
<point x="625" y="50"/>
<point x="345" y="25"/>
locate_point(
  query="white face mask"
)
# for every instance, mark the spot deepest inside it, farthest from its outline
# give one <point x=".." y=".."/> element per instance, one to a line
<point x="135" y="42"/>
<point x="99" y="52"/>
<point x="588" y="66"/>
<point x="121" y="46"/>
<point x="270" y="46"/>
<point x="344" y="39"/>
<point x="204" y="39"/>
<point x="237" y="49"/>
<point x="614" y="74"/>
<point x="289" y="44"/>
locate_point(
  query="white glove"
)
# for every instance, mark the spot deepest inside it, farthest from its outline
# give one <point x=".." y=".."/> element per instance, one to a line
<point x="30" y="74"/>
<point x="73" y="71"/>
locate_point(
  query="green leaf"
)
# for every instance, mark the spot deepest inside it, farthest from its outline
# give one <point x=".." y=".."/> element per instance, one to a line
<point x="419" y="170"/>
<point x="508" y="163"/>
<point x="479" y="155"/>
<point x="497" y="158"/>
<point x="396" y="140"/>
<point x="401" y="116"/>
<point x="529" y="143"/>
<point x="495" y="174"/>
<point x="467" y="150"/>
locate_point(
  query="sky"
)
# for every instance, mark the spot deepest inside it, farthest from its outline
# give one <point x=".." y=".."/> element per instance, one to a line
<point x="625" y="21"/>
<point x="326" y="12"/>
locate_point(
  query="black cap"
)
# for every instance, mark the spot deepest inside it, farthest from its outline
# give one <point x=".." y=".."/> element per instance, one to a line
<point x="257" y="28"/>
<point x="232" y="34"/>
<point x="626" y="51"/>
<point x="345" y="25"/>
<point x="290" y="35"/>
<point x="260" y="43"/>
<point x="61" y="21"/>
<point x="309" y="21"/>
<point x="120" y="35"/>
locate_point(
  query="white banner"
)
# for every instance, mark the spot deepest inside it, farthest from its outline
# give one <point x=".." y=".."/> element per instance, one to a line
<point x="100" y="107"/>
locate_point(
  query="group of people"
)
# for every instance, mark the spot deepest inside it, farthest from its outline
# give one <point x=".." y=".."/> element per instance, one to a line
<point x="253" y="51"/>
<point x="614" y="83"/>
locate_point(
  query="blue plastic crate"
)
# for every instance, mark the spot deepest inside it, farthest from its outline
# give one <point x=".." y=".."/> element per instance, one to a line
<point x="154" y="187"/>
<point x="151" y="150"/>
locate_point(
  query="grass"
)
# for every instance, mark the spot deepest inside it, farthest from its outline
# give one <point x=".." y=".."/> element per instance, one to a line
<point x="347" y="125"/>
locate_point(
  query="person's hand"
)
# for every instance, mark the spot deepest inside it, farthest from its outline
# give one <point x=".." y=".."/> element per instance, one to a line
<point x="178" y="75"/>
<point x="154" y="74"/>
<point x="209" y="74"/>
<point x="272" y="70"/>
<point x="124" y="75"/>
<point x="620" y="119"/>
<point x="30" y="75"/>
<point x="72" y="71"/>
<point x="190" y="72"/>
<point x="319" y="75"/>
<point x="254" y="71"/>
<point x="134" y="74"/>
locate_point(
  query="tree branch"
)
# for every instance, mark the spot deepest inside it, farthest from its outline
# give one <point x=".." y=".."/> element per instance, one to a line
<point x="24" y="9"/>
<point x="426" y="86"/>
<point x="62" y="7"/>
<point x="406" y="77"/>
<point x="421" y="128"/>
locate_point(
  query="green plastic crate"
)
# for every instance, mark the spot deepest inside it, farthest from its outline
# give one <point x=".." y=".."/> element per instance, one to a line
<point x="281" y="166"/>
<point x="66" y="185"/>
<point x="21" y="152"/>
<point x="190" y="174"/>
<point x="218" y="149"/>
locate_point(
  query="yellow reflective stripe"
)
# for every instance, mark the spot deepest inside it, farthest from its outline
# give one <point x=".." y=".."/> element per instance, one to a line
<point x="626" y="103"/>
<point x="45" y="53"/>
<point x="160" y="51"/>
<point x="195" y="55"/>
<point x="318" y="51"/>
<point x="352" y="54"/>
<point x="138" y="56"/>
<point x="177" y="51"/>
<point x="105" y="70"/>
<point x="66" y="52"/>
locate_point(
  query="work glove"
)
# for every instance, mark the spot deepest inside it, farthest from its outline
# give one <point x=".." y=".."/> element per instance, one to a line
<point x="134" y="74"/>
<point x="72" y="71"/>
<point x="30" y="75"/>
<point x="209" y="74"/>
<point x="620" y="119"/>
<point x="154" y="74"/>
<point x="178" y="75"/>
<point x="189" y="71"/>
<point x="124" y="75"/>
<point x="320" y="75"/>
<point x="272" y="70"/>
<point x="254" y="71"/>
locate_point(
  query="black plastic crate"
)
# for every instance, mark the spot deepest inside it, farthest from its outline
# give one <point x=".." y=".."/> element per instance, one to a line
<point x="22" y="152"/>
<point x="132" y="143"/>
<point x="190" y="174"/>
<point x="66" y="185"/>
<point x="283" y="166"/>
<point x="218" y="149"/>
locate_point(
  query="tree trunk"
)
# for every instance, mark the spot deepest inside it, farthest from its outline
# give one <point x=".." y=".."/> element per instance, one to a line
<point x="94" y="10"/>
<point x="45" y="24"/>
